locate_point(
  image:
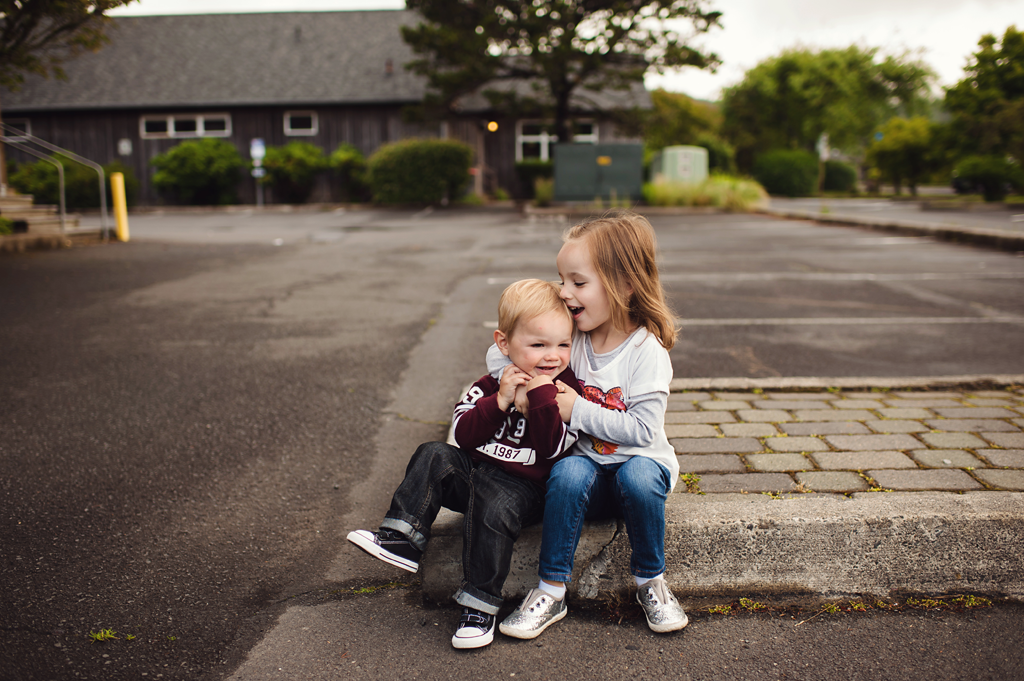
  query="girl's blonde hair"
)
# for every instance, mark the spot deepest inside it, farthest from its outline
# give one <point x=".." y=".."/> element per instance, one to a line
<point x="623" y="248"/>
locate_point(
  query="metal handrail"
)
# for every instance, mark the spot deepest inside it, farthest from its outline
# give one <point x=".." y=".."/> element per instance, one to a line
<point x="60" y="177"/>
<point x="15" y="136"/>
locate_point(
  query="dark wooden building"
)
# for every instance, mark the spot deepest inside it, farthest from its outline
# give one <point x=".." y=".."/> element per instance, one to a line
<point x="322" y="77"/>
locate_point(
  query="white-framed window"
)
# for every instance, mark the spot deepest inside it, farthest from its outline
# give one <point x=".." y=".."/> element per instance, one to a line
<point x="185" y="125"/>
<point x="22" y="128"/>
<point x="534" y="138"/>
<point x="300" y="123"/>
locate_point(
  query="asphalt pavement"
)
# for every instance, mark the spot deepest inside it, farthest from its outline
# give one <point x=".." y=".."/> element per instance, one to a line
<point x="195" y="419"/>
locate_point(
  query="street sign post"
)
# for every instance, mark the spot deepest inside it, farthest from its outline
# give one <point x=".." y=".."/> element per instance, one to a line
<point x="257" y="150"/>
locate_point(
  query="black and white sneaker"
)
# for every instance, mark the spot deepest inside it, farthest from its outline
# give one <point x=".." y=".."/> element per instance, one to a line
<point x="389" y="546"/>
<point x="476" y="629"/>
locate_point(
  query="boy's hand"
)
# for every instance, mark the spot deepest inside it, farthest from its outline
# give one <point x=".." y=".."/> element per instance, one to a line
<point x="511" y="378"/>
<point x="565" y="398"/>
<point x="522" y="402"/>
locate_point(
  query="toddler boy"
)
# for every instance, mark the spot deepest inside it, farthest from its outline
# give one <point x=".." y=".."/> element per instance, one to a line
<point x="496" y="474"/>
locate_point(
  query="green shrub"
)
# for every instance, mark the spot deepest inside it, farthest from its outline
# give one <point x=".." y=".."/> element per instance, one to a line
<point x="81" y="183"/>
<point x="420" y="171"/>
<point x="6" y="226"/>
<point x="719" y="191"/>
<point x="349" y="164"/>
<point x="839" y="177"/>
<point x="993" y="176"/>
<point x="787" y="172"/>
<point x="543" y="191"/>
<point x="199" y="172"/>
<point x="529" y="170"/>
<point x="721" y="155"/>
<point x="292" y="170"/>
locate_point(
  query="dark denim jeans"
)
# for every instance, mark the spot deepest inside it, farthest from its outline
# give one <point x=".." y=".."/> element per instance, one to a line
<point x="495" y="504"/>
<point x="581" y="489"/>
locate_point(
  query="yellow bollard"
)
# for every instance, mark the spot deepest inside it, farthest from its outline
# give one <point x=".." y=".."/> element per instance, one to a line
<point x="120" y="205"/>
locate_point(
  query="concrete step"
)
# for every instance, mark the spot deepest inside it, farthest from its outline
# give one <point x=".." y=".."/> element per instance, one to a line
<point x="20" y="243"/>
<point x="807" y="546"/>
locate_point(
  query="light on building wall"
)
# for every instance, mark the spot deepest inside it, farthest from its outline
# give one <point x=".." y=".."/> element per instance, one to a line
<point x="493" y="126"/>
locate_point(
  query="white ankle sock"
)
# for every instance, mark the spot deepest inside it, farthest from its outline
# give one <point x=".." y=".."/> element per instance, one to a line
<point x="557" y="591"/>
<point x="640" y="581"/>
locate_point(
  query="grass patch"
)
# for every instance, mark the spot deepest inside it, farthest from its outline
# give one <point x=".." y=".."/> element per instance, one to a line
<point x="718" y="191"/>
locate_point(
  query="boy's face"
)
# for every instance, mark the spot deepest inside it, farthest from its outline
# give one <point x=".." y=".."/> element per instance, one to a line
<point x="539" y="345"/>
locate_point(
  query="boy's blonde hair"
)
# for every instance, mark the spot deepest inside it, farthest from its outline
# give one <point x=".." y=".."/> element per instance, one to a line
<point x="623" y="249"/>
<point x="526" y="299"/>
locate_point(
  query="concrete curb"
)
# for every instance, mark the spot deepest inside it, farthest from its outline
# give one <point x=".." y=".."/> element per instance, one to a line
<point x="976" y="381"/>
<point x="993" y="238"/>
<point x="809" y="546"/>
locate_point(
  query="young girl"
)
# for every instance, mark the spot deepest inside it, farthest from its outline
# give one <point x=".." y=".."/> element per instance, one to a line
<point x="624" y="466"/>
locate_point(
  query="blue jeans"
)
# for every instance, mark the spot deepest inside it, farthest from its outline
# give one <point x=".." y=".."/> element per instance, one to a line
<point x="495" y="504"/>
<point x="581" y="489"/>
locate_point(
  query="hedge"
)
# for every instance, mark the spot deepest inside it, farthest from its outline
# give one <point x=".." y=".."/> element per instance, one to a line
<point x="786" y="172"/>
<point x="839" y="177"/>
<point x="201" y="172"/>
<point x="81" y="183"/>
<point x="420" y="171"/>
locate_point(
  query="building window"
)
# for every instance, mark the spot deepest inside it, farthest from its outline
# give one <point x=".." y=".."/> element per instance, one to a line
<point x="21" y="129"/>
<point x="185" y="125"/>
<point x="300" y="123"/>
<point x="534" y="139"/>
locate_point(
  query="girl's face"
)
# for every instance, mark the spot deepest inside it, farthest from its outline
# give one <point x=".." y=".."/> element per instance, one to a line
<point x="582" y="290"/>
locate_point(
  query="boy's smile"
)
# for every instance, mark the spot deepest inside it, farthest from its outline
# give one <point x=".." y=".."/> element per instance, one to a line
<point x="540" y="345"/>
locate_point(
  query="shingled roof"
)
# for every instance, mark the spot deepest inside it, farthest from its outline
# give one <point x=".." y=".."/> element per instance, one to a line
<point x="281" y="58"/>
<point x="210" y="60"/>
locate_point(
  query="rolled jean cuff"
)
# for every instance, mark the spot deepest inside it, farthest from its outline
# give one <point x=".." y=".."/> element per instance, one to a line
<point x="555" y="577"/>
<point x="470" y="597"/>
<point x="410" y="532"/>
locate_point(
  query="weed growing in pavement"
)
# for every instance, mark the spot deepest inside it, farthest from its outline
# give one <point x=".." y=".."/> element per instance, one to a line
<point x="752" y="606"/>
<point x="955" y="602"/>
<point x="381" y="587"/>
<point x="692" y="482"/>
<point x="103" y="635"/>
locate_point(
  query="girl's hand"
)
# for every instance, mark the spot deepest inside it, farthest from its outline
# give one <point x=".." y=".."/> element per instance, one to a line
<point x="511" y="378"/>
<point x="565" y="398"/>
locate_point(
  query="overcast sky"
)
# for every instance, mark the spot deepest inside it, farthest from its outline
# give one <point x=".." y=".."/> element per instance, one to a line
<point x="943" y="32"/>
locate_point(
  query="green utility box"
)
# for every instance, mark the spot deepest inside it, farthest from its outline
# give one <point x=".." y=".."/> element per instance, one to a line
<point x="584" y="172"/>
<point x="680" y="164"/>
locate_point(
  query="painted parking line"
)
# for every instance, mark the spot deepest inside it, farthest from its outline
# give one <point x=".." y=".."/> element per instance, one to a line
<point x="851" y="321"/>
<point x="841" y="276"/>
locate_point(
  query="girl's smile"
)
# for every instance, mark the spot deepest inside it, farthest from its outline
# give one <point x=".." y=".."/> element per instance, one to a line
<point x="584" y="294"/>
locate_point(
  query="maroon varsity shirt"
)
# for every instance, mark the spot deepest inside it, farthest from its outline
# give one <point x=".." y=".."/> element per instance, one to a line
<point x="525" y="448"/>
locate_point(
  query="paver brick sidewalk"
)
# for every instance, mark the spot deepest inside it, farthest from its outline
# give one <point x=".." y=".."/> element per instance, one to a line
<point x="844" y="442"/>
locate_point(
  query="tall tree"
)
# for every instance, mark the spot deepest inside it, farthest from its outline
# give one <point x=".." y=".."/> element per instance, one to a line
<point x="536" y="55"/>
<point x="987" y="106"/>
<point x="37" y="36"/>
<point x="678" y="119"/>
<point x="791" y="100"/>
<point x="902" y="151"/>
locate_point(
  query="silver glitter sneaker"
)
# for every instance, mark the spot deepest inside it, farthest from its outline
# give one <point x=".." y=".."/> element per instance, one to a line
<point x="538" y="611"/>
<point x="661" y="608"/>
